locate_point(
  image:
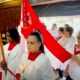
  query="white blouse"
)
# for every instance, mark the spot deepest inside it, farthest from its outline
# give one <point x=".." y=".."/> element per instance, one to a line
<point x="40" y="69"/>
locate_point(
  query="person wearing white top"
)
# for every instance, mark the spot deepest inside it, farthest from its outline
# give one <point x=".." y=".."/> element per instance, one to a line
<point x="74" y="65"/>
<point x="67" y="42"/>
<point x="54" y="31"/>
<point x="34" y="64"/>
<point x="13" y="52"/>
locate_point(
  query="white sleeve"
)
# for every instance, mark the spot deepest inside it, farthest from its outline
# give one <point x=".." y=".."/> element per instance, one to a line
<point x="47" y="72"/>
<point x="70" y="46"/>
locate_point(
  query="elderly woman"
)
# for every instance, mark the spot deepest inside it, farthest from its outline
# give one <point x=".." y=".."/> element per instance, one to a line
<point x="34" y="64"/>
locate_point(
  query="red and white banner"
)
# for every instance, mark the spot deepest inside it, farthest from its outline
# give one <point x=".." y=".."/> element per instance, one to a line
<point x="27" y="27"/>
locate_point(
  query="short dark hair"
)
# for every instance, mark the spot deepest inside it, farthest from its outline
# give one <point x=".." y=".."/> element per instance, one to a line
<point x="69" y="29"/>
<point x="61" y="29"/>
<point x="14" y="34"/>
<point x="38" y="35"/>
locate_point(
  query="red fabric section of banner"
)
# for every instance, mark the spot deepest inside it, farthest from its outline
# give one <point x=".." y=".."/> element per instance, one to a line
<point x="49" y="41"/>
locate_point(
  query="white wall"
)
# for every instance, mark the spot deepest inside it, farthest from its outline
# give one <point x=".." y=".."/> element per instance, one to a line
<point x="73" y="21"/>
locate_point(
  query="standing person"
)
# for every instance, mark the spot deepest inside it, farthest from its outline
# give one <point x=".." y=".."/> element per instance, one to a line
<point x="74" y="65"/>
<point x="35" y="65"/>
<point x="54" y="26"/>
<point x="13" y="52"/>
<point x="54" y="30"/>
<point x="67" y="42"/>
<point x="60" y="33"/>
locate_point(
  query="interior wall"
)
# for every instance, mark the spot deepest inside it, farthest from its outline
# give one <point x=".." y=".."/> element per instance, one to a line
<point x="9" y="17"/>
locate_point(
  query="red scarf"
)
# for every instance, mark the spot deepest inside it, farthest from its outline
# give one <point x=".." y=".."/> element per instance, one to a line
<point x="76" y="51"/>
<point x="33" y="56"/>
<point x="12" y="45"/>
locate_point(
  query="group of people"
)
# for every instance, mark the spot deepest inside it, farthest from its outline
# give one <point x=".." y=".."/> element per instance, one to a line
<point x="34" y="63"/>
<point x="31" y="65"/>
<point x="70" y="70"/>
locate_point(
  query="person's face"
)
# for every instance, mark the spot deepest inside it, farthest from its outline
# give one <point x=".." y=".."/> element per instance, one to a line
<point x="9" y="39"/>
<point x="33" y="44"/>
<point x="78" y="38"/>
<point x="54" y="27"/>
<point x="66" y="33"/>
<point x="59" y="32"/>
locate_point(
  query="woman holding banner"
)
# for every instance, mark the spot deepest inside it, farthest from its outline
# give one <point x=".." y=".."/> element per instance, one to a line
<point x="13" y="52"/>
<point x="35" y="65"/>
